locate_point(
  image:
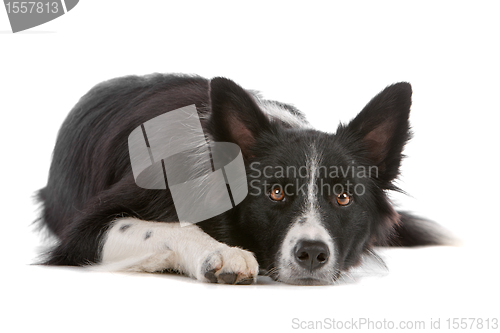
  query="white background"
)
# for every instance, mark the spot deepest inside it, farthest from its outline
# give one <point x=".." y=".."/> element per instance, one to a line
<point x="328" y="59"/>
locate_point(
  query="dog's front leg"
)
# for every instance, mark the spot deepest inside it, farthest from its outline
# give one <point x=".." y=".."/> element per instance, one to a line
<point x="135" y="245"/>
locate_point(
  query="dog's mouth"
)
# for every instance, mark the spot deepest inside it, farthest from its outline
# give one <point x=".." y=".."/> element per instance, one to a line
<point x="314" y="279"/>
<point x="309" y="281"/>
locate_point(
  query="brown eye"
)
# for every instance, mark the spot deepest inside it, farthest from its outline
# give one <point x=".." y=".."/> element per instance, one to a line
<point x="343" y="199"/>
<point x="277" y="193"/>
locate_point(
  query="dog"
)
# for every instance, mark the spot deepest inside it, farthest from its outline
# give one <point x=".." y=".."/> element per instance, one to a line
<point x="305" y="228"/>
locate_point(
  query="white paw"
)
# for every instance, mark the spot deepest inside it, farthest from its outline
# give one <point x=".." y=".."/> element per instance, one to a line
<point x="230" y="265"/>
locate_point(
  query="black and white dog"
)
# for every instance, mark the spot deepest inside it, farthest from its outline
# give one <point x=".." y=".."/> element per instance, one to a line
<point x="298" y="227"/>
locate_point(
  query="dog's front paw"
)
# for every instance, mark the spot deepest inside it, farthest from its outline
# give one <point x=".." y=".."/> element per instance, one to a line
<point x="230" y="265"/>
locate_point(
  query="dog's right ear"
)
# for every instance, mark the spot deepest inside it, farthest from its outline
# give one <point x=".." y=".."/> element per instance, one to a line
<point x="235" y="117"/>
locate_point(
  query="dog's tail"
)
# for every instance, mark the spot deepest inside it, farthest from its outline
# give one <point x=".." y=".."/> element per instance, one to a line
<point x="416" y="231"/>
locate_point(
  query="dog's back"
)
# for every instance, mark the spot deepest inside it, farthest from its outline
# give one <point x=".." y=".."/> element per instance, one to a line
<point x="91" y="154"/>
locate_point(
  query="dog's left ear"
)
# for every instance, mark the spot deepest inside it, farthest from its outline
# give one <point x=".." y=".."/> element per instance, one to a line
<point x="235" y="117"/>
<point x="384" y="128"/>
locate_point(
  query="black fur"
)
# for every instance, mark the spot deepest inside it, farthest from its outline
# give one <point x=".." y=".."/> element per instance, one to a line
<point x="91" y="183"/>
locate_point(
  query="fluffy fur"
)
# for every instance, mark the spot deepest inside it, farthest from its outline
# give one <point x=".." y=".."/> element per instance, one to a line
<point x="100" y="216"/>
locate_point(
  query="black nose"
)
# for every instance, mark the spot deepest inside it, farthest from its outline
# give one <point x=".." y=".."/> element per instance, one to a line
<point x="311" y="254"/>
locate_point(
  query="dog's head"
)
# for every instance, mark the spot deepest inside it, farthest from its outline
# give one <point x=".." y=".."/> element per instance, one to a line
<point x="316" y="201"/>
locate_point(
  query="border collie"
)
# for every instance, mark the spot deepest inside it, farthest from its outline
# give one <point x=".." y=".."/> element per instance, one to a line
<point x="298" y="227"/>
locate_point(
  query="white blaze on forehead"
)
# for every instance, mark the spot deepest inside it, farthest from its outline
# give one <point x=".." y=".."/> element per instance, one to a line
<point x="310" y="220"/>
<point x="312" y="190"/>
